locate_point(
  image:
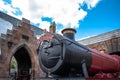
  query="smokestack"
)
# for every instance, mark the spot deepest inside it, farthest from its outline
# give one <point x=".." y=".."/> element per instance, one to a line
<point x="69" y="33"/>
<point x="52" y="28"/>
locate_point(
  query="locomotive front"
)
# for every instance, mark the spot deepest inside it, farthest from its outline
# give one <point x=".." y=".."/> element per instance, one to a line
<point x="61" y="55"/>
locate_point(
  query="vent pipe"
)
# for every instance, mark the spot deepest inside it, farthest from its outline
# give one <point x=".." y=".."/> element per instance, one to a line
<point x="69" y="33"/>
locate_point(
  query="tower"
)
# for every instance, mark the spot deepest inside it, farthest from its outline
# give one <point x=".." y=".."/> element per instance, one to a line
<point x="52" y="28"/>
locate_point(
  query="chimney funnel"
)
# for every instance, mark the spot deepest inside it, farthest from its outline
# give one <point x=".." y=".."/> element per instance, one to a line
<point x="69" y="33"/>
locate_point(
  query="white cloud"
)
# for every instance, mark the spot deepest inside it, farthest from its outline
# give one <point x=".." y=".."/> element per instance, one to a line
<point x="62" y="11"/>
<point x="45" y="25"/>
<point x="4" y="25"/>
<point x="59" y="31"/>
<point x="8" y="8"/>
<point x="24" y="7"/>
<point x="91" y="3"/>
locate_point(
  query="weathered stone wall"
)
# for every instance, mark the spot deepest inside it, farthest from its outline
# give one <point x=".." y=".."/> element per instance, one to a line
<point x="107" y="46"/>
<point x="106" y="43"/>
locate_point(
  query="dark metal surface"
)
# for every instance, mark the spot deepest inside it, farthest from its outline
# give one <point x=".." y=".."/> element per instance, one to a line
<point x="63" y="56"/>
<point x="60" y="79"/>
<point x="69" y="33"/>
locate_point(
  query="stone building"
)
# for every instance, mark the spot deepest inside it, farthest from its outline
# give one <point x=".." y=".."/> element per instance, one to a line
<point x="105" y="43"/>
<point x="20" y="43"/>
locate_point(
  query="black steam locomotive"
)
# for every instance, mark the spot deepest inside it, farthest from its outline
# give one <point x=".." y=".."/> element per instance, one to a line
<point x="62" y="56"/>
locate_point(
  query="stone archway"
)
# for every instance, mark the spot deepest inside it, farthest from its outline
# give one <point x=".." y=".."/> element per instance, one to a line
<point x="23" y="54"/>
<point x="24" y="62"/>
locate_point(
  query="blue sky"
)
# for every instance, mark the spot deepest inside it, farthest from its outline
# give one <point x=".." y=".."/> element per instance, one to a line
<point x="88" y="17"/>
<point x="103" y="18"/>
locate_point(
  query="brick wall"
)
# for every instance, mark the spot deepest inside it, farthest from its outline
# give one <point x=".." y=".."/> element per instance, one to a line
<point x="19" y="36"/>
